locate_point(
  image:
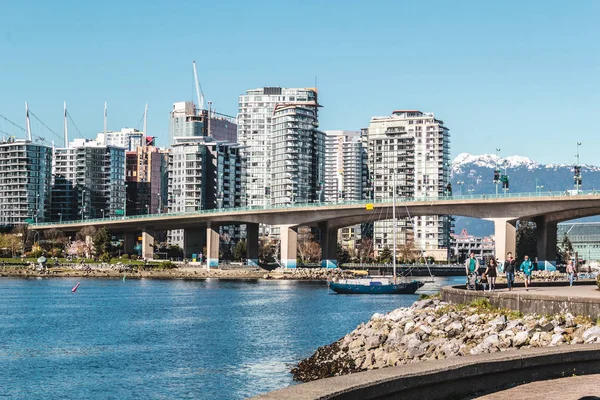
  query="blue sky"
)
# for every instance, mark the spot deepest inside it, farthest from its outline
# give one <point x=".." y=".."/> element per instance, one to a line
<point x="519" y="75"/>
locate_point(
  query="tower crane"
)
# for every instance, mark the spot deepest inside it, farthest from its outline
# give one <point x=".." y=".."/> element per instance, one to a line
<point x="198" y="89"/>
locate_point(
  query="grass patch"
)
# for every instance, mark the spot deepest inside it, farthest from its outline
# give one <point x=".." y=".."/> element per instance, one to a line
<point x="437" y="296"/>
<point x="482" y="303"/>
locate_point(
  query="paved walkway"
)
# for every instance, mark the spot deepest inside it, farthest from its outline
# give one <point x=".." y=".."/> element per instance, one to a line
<point x="590" y="291"/>
<point x="571" y="388"/>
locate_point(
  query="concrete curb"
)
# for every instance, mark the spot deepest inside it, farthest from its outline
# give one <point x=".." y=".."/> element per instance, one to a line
<point x="451" y="378"/>
<point x="542" y="303"/>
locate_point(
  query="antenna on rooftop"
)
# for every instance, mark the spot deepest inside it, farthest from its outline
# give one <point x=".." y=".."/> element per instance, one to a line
<point x="198" y="88"/>
<point x="105" y="115"/>
<point x="145" y="124"/>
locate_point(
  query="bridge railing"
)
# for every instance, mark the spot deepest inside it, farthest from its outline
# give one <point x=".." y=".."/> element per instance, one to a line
<point x="403" y="200"/>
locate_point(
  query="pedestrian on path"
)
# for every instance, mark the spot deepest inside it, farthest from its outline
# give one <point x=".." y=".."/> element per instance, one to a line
<point x="491" y="273"/>
<point x="471" y="265"/>
<point x="509" y="270"/>
<point x="527" y="268"/>
<point x="570" y="272"/>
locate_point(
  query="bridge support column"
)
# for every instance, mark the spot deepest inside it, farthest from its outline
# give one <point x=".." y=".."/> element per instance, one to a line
<point x="252" y="245"/>
<point x="193" y="241"/>
<point x="212" y="246"/>
<point x="129" y="239"/>
<point x="147" y="244"/>
<point x="328" y="246"/>
<point x="289" y="245"/>
<point x="546" y="242"/>
<point x="505" y="235"/>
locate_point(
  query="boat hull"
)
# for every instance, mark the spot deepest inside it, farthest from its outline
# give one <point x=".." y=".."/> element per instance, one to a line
<point x="398" y="288"/>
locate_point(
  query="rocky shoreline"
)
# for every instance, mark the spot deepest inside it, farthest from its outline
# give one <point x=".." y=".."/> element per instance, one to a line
<point x="319" y="274"/>
<point x="432" y="329"/>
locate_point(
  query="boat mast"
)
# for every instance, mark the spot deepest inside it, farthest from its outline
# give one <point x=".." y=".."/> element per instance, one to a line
<point x="394" y="217"/>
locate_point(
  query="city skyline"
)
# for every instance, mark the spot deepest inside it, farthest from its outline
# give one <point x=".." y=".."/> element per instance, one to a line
<point x="513" y="80"/>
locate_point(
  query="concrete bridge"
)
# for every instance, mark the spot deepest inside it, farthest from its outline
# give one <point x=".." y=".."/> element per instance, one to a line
<point x="546" y="209"/>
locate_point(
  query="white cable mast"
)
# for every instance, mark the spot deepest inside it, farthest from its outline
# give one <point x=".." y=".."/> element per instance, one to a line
<point x="27" y="122"/>
<point x="395" y="230"/>
<point x="145" y="124"/>
<point x="66" y="128"/>
<point x="105" y="115"/>
<point x="198" y="89"/>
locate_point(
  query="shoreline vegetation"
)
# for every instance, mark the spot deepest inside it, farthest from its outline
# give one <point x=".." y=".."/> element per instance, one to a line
<point x="432" y="329"/>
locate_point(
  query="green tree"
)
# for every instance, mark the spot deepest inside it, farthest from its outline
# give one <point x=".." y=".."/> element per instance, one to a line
<point x="239" y="250"/>
<point x="526" y="241"/>
<point x="385" y="257"/>
<point x="564" y="250"/>
<point x="102" y="242"/>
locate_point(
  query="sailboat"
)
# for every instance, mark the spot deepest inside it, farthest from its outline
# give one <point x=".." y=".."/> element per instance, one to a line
<point x="378" y="285"/>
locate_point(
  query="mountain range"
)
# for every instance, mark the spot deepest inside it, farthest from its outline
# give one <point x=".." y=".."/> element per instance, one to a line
<point x="524" y="174"/>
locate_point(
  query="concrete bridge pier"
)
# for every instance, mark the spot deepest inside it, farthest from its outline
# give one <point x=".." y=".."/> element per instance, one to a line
<point x="546" y="241"/>
<point x="212" y="246"/>
<point x="328" y="245"/>
<point x="193" y="242"/>
<point x="252" y="245"/>
<point x="289" y="245"/>
<point x="129" y="239"/>
<point x="147" y="244"/>
<point x="505" y="234"/>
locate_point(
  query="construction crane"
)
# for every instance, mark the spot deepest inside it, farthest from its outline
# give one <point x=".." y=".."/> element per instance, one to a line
<point x="198" y="89"/>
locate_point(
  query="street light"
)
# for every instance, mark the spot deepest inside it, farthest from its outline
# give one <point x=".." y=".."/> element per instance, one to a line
<point x="577" y="170"/>
<point x="497" y="170"/>
<point x="538" y="187"/>
<point x="460" y="185"/>
<point x="82" y="204"/>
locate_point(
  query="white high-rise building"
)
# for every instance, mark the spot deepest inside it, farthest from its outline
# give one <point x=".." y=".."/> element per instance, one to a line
<point x="284" y="150"/>
<point x="416" y="146"/>
<point x="25" y="178"/>
<point x="89" y="181"/>
<point x="128" y="138"/>
<point x="344" y="172"/>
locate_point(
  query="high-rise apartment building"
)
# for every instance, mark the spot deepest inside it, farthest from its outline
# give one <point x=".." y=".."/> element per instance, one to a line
<point x="145" y="181"/>
<point x="128" y="138"/>
<point x="25" y="179"/>
<point x="188" y="122"/>
<point x="204" y="174"/>
<point x="345" y="175"/>
<point x="284" y="149"/>
<point x="415" y="147"/>
<point x="89" y="181"/>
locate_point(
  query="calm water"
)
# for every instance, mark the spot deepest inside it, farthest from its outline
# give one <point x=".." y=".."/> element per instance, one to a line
<point x="167" y="339"/>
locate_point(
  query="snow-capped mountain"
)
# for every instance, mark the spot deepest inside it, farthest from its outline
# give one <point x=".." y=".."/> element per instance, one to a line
<point x="475" y="173"/>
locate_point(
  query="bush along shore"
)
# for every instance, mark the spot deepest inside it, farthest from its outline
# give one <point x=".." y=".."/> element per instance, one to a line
<point x="432" y="329"/>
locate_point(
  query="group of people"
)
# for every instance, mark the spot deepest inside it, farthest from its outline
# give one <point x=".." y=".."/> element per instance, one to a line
<point x="491" y="270"/>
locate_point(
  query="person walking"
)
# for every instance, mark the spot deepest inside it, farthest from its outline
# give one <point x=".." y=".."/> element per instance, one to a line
<point x="491" y="273"/>
<point x="471" y="264"/>
<point x="527" y="268"/>
<point x="509" y="270"/>
<point x="570" y="272"/>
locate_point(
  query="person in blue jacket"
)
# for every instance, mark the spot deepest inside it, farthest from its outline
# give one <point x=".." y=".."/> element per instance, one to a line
<point x="527" y="268"/>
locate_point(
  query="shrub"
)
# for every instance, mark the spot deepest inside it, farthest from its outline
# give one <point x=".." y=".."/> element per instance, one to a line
<point x="125" y="256"/>
<point x="167" y="265"/>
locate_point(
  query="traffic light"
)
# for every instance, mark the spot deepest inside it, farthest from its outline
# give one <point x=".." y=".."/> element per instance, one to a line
<point x="496" y="176"/>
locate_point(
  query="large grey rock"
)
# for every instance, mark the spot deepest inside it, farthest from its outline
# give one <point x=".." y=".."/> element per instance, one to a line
<point x="419" y="305"/>
<point x="375" y="341"/>
<point x="590" y="335"/>
<point x="454" y="329"/>
<point x="520" y="338"/>
<point x="425" y="329"/>
<point x="557" y="339"/>
<point x="498" y="324"/>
